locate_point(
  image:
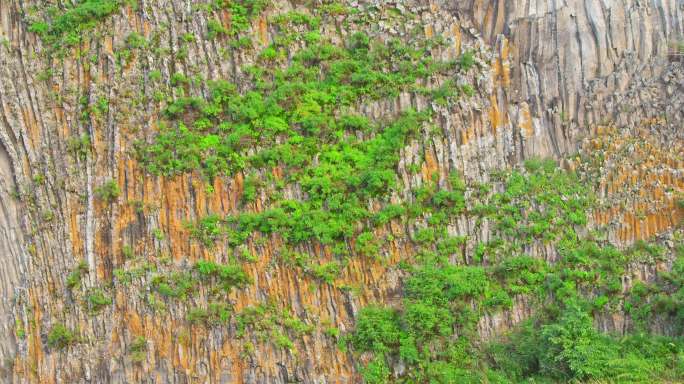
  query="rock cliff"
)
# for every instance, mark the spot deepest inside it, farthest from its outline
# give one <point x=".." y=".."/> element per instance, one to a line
<point x="212" y="192"/>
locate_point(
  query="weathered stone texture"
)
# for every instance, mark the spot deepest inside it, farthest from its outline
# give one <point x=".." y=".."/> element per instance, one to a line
<point x="557" y="71"/>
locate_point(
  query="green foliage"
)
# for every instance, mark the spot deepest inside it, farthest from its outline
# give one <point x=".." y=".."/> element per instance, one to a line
<point x="216" y="313"/>
<point x="242" y="12"/>
<point x="468" y="90"/>
<point x="663" y="299"/>
<point x="467" y="60"/>
<point x="228" y="276"/>
<point x="214" y="276"/>
<point x="108" y="192"/>
<point x="250" y="187"/>
<point x="127" y="251"/>
<point x="572" y="348"/>
<point x="188" y="38"/>
<point x="208" y="230"/>
<point x="268" y="322"/>
<point x="126" y="276"/>
<point x="332" y="332"/>
<point x="96" y="300"/>
<point x="282" y="341"/>
<point x="79" y="146"/>
<point x="540" y="204"/>
<point x="569" y="348"/>
<point x="294" y="125"/>
<point x="215" y="29"/>
<point x="377" y="329"/>
<point x="537" y="164"/>
<point x="376" y="372"/>
<point x="155" y="75"/>
<point x="158" y="234"/>
<point x="74" y="278"/>
<point x="326" y="272"/>
<point x="296" y="117"/>
<point x="522" y="274"/>
<point x="136" y="41"/>
<point x="138" y="349"/>
<point x="176" y="284"/>
<point x="388" y="213"/>
<point x="61" y="337"/>
<point x="66" y="28"/>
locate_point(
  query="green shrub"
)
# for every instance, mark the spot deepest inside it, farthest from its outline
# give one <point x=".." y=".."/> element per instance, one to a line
<point x="138" y="349"/>
<point x="332" y="332"/>
<point x="60" y="337"/>
<point x="108" y="192"/>
<point x="326" y="272"/>
<point x="215" y="29"/>
<point x="66" y="28"/>
<point x="79" y="146"/>
<point x="572" y="348"/>
<point x="282" y="341"/>
<point x="128" y="252"/>
<point x="467" y="60"/>
<point x="74" y="277"/>
<point x="96" y="300"/>
<point x="376" y="372"/>
<point x="135" y="40"/>
<point x="250" y="188"/>
<point x="177" y="285"/>
<point x="228" y="275"/>
<point x="216" y="313"/>
<point x="377" y="329"/>
<point x="208" y="230"/>
<point x="427" y="320"/>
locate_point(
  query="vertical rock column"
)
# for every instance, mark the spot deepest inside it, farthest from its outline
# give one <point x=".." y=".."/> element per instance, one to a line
<point x="12" y="262"/>
<point x="569" y="58"/>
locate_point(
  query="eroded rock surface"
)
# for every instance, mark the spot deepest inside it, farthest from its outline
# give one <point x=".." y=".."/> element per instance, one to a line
<point x="553" y="79"/>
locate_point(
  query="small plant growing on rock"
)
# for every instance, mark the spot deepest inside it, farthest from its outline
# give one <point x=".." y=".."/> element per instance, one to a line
<point x="138" y="349"/>
<point x="60" y="337"/>
<point x="467" y="60"/>
<point x="128" y="252"/>
<point x="74" y="278"/>
<point x="97" y="300"/>
<point x="79" y="146"/>
<point x="108" y="191"/>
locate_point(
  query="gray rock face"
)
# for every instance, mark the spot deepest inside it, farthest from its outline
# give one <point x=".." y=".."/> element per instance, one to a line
<point x="12" y="261"/>
<point x="568" y="58"/>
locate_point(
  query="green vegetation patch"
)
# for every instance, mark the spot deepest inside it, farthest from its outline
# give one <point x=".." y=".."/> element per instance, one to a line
<point x="434" y="332"/>
<point x="182" y="284"/>
<point x="64" y="27"/>
<point x="61" y="337"/>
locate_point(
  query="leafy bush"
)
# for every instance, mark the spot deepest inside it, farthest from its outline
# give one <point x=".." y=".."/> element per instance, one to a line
<point x="138" y="349"/>
<point x="108" y="192"/>
<point x="208" y="230"/>
<point x="467" y="60"/>
<point x="326" y="272"/>
<point x="572" y="348"/>
<point x="228" y="275"/>
<point x="74" y="277"/>
<point x="60" y="336"/>
<point x="79" y="146"/>
<point x="66" y="29"/>
<point x="215" y="313"/>
<point x="377" y="329"/>
<point x="96" y="300"/>
<point x="376" y="372"/>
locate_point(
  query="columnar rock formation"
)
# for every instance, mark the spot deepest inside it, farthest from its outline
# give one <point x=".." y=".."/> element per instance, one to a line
<point x="554" y="79"/>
